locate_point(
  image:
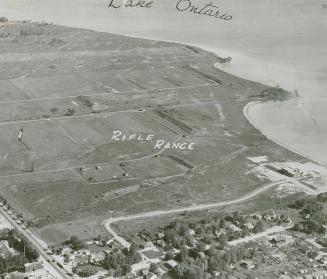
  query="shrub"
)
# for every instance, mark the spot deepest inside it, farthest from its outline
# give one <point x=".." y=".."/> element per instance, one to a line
<point x="85" y="271"/>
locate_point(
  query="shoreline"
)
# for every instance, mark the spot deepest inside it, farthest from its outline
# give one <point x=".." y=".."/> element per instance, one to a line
<point x="247" y="116"/>
<point x="214" y="52"/>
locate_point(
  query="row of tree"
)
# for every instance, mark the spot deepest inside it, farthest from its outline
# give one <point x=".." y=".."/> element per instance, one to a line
<point x="121" y="261"/>
<point x="18" y="242"/>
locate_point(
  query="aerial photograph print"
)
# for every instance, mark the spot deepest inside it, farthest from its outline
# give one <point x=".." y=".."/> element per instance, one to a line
<point x="163" y="139"/>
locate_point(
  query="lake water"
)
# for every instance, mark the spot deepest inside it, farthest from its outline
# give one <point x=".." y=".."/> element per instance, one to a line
<point x="279" y="42"/>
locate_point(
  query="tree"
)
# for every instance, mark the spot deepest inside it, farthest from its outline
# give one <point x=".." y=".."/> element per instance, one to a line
<point x="183" y="254"/>
<point x="240" y="253"/>
<point x="299" y="203"/>
<point x="202" y="246"/>
<point x="3" y="19"/>
<point x="222" y="239"/>
<point x="126" y="269"/>
<point x="75" y="243"/>
<point x="54" y="110"/>
<point x="237" y="216"/>
<point x="258" y="227"/>
<point x="153" y="268"/>
<point x="85" y="271"/>
<point x="227" y="259"/>
<point x="222" y="223"/>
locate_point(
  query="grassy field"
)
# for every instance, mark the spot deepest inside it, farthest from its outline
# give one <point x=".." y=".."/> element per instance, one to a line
<point x="55" y="77"/>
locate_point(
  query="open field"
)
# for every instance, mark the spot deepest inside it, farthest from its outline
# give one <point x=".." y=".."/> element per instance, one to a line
<point x="70" y="89"/>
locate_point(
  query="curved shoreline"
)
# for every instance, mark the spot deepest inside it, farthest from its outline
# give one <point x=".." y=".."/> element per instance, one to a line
<point x="214" y="52"/>
<point x="252" y="122"/>
<point x="215" y="65"/>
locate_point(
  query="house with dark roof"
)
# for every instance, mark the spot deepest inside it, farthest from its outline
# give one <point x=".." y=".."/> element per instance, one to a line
<point x="5" y="249"/>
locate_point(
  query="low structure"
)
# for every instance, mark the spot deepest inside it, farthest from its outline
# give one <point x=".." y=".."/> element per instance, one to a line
<point x="5" y="249"/>
<point x="30" y="267"/>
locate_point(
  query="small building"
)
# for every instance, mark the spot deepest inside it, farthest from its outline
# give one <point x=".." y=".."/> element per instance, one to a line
<point x="97" y="257"/>
<point x="278" y="240"/>
<point x="323" y="259"/>
<point x="5" y="249"/>
<point x="202" y="255"/>
<point x="80" y="259"/>
<point x="15" y="275"/>
<point x="151" y="275"/>
<point x="139" y="242"/>
<point x="66" y="250"/>
<point x="256" y="216"/>
<point x="191" y="232"/>
<point x="249" y="226"/>
<point x="144" y="272"/>
<point x="30" y="267"/>
<point x="247" y="264"/>
<point x="171" y="264"/>
<point x="318" y="275"/>
<point x="96" y="108"/>
<point x="193" y="242"/>
<point x="313" y="255"/>
<point x="149" y="244"/>
<point x="270" y="215"/>
<point x="161" y="235"/>
<point x="161" y="243"/>
<point x="234" y="228"/>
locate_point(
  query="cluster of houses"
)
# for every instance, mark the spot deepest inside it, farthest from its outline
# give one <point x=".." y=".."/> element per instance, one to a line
<point x="34" y="270"/>
<point x="81" y="257"/>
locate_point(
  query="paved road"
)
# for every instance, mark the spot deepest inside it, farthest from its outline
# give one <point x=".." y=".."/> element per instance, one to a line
<point x="275" y="229"/>
<point x="108" y="222"/>
<point x="50" y="266"/>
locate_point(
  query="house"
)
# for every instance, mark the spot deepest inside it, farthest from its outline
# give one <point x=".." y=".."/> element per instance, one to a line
<point x="97" y="257"/>
<point x="149" y="244"/>
<point x="234" y="228"/>
<point x="313" y="255"/>
<point x="247" y="264"/>
<point x="270" y="215"/>
<point x="30" y="267"/>
<point x="318" y="275"/>
<point x="80" y="259"/>
<point x="130" y="276"/>
<point x="323" y="259"/>
<point x="161" y="243"/>
<point x="193" y="242"/>
<point x="15" y="275"/>
<point x="139" y="242"/>
<point x="256" y="216"/>
<point x="191" y="232"/>
<point x="144" y="272"/>
<point x="171" y="264"/>
<point x="216" y="273"/>
<point x="151" y="275"/>
<point x="66" y="250"/>
<point x="5" y="249"/>
<point x="249" y="226"/>
<point x="202" y="255"/>
<point x="278" y="240"/>
<point x="160" y="234"/>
